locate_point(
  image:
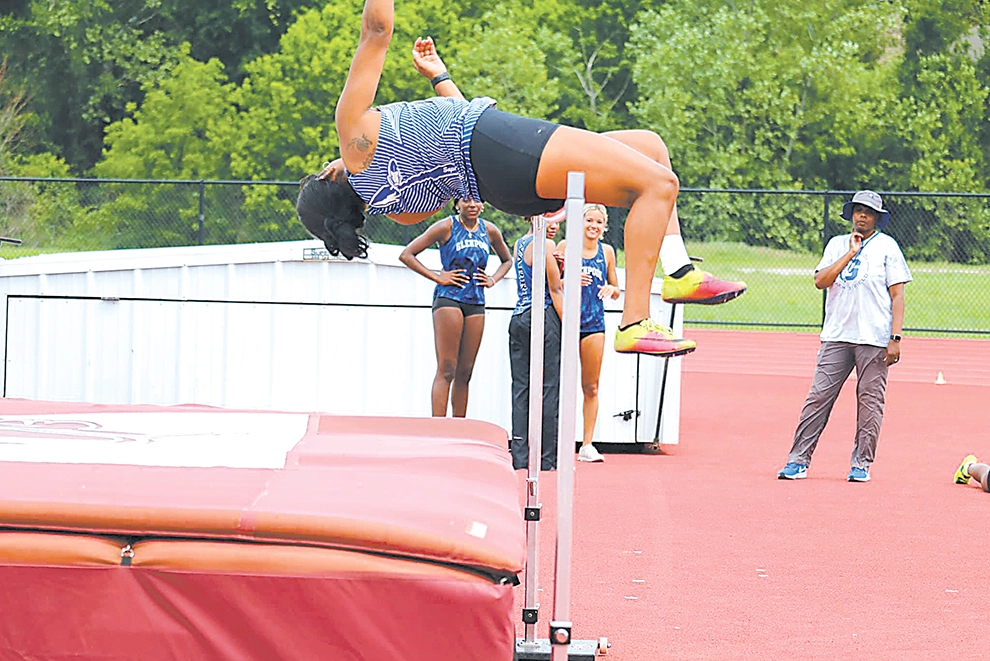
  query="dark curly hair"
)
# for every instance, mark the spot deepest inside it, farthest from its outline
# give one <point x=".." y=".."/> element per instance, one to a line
<point x="333" y="212"/>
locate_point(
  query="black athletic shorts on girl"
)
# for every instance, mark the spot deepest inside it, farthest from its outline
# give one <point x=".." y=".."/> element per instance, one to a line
<point x="505" y="156"/>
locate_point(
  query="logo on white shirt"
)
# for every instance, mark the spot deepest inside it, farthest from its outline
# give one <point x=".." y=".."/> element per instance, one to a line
<point x="392" y="190"/>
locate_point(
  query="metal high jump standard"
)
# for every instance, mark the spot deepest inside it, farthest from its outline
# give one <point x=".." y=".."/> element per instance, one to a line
<point x="560" y="646"/>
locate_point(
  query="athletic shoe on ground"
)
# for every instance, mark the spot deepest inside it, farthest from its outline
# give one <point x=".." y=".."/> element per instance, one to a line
<point x="792" y="471"/>
<point x="962" y="473"/>
<point x="590" y="453"/>
<point x="697" y="286"/>
<point x="651" y="338"/>
<point x="858" y="474"/>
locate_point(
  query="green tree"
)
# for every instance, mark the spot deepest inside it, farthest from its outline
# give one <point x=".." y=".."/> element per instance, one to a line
<point x="30" y="212"/>
<point x="597" y="84"/>
<point x="755" y="98"/>
<point x="181" y="130"/>
<point x="940" y="125"/>
<point x="941" y="120"/>
<point x="12" y="120"/>
<point x="15" y="198"/>
<point x="85" y="60"/>
<point x="945" y="100"/>
<point x="82" y="62"/>
<point x="504" y="58"/>
<point x="232" y="31"/>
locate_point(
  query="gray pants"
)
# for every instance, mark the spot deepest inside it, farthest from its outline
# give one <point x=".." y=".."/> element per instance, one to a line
<point x="835" y="363"/>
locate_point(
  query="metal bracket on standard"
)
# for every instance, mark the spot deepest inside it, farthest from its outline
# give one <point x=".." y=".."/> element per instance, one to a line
<point x="560" y="633"/>
<point x="532" y="513"/>
<point x="541" y="650"/>
<point x="627" y="415"/>
<point x="530" y="615"/>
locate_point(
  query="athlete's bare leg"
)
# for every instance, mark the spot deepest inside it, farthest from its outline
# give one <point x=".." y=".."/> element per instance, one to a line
<point x="448" y="324"/>
<point x="474" y="328"/>
<point x="652" y="146"/>
<point x="592" y="348"/>
<point x="978" y="472"/>
<point x="616" y="175"/>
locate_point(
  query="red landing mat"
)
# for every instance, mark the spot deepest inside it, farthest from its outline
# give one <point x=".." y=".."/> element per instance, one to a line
<point x="199" y="533"/>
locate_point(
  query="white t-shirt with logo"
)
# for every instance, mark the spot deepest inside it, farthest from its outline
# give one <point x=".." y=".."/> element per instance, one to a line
<point x="858" y="306"/>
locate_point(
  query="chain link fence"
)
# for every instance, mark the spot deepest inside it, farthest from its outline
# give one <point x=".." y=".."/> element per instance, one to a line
<point x="772" y="239"/>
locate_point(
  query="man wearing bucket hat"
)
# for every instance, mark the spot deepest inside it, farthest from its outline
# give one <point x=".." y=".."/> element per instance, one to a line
<point x="864" y="273"/>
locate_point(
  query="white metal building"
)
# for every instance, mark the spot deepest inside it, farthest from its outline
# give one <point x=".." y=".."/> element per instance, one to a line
<point x="260" y="326"/>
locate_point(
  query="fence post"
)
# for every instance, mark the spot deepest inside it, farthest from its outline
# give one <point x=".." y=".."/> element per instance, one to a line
<point x="825" y="238"/>
<point x="202" y="209"/>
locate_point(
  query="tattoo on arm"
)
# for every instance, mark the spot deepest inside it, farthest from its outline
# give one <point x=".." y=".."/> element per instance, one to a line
<point x="363" y="144"/>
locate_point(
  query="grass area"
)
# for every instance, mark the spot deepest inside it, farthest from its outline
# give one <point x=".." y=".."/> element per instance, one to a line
<point x="780" y="287"/>
<point x="9" y="251"/>
<point x="942" y="296"/>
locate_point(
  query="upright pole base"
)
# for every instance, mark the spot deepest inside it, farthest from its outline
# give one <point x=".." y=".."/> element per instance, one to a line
<point x="579" y="650"/>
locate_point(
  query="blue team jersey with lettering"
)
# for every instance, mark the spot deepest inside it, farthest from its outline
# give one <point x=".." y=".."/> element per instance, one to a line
<point x="524" y="279"/>
<point x="423" y="157"/>
<point x="469" y="251"/>
<point x="592" y="307"/>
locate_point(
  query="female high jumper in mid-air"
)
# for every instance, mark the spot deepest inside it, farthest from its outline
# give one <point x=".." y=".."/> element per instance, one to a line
<point x="407" y="160"/>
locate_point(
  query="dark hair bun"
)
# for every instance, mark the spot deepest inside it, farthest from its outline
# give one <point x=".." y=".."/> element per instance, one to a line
<point x="341" y="238"/>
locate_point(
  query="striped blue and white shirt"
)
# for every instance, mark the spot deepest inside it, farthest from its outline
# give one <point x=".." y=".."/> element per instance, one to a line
<point x="423" y="156"/>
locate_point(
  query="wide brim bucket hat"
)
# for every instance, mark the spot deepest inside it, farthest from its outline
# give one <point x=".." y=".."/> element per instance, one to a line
<point x="870" y="199"/>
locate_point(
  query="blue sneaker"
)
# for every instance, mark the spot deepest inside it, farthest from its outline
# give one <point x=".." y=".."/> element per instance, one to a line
<point x="858" y="474"/>
<point x="793" y="471"/>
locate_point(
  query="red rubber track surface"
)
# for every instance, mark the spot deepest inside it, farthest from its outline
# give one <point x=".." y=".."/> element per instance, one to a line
<point x="704" y="554"/>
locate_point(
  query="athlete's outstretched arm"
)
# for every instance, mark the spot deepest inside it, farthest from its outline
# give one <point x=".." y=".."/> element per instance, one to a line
<point x="358" y="96"/>
<point x="429" y="64"/>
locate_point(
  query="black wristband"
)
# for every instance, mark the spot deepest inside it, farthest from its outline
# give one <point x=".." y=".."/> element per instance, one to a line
<point x="439" y="79"/>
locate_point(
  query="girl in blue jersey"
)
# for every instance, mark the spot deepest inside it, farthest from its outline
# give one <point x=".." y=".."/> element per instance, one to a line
<point x="520" y="327"/>
<point x="407" y="160"/>
<point x="598" y="282"/>
<point x="465" y="241"/>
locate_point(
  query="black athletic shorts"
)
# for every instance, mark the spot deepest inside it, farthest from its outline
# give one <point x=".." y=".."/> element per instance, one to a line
<point x="467" y="309"/>
<point x="505" y="155"/>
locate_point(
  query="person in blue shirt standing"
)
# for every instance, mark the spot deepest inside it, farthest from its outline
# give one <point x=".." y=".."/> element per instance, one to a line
<point x="520" y="328"/>
<point x="598" y="282"/>
<point x="465" y="240"/>
<point x="864" y="273"/>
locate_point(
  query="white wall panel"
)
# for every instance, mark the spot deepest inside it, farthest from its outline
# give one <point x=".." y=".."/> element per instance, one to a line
<point x="258" y="327"/>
